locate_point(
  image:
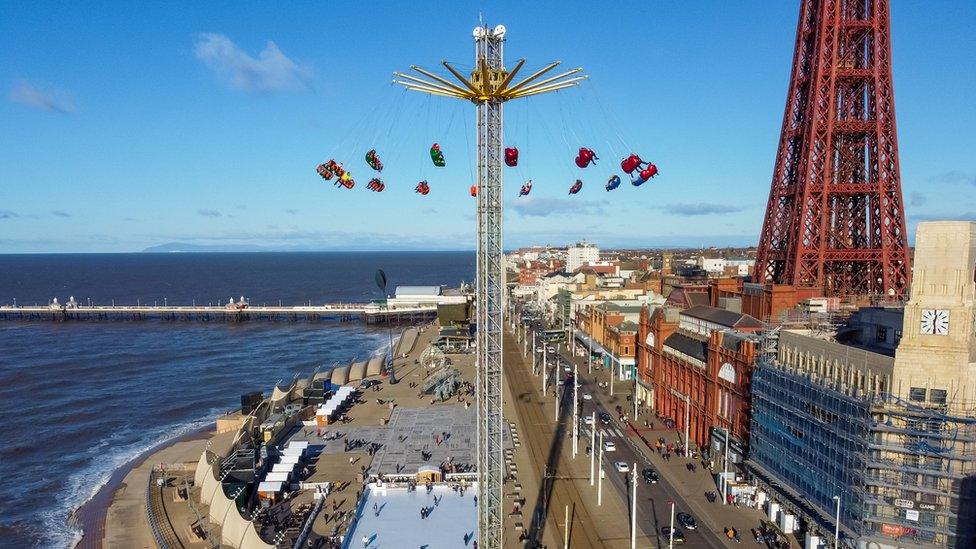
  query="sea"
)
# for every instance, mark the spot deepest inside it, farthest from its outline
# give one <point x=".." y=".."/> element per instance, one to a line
<point x="80" y="399"/>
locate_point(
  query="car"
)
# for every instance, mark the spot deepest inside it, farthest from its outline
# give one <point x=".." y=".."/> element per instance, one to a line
<point x="649" y="475"/>
<point x="604" y="418"/>
<point x="621" y="466"/>
<point x="609" y="446"/>
<point x="687" y="521"/>
<point x="587" y="420"/>
<point x="587" y="396"/>
<point x="679" y="536"/>
<point x="551" y="349"/>
<point x="567" y="368"/>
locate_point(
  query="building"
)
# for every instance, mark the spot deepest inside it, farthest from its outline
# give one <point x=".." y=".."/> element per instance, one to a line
<point x="425" y="296"/>
<point x="695" y="366"/>
<point x="580" y="254"/>
<point x="875" y="418"/>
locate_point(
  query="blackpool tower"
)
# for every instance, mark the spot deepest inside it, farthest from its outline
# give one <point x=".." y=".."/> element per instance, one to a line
<point x="835" y="221"/>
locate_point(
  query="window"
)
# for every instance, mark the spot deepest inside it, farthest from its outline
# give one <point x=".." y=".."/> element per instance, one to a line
<point x="916" y="394"/>
<point x="897" y="336"/>
<point x="938" y="396"/>
<point x="881" y="334"/>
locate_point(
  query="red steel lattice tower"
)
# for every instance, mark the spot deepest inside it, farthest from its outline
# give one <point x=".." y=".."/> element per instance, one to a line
<point x="835" y="221"/>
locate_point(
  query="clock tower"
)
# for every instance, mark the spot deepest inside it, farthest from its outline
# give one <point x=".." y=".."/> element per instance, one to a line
<point x="936" y="357"/>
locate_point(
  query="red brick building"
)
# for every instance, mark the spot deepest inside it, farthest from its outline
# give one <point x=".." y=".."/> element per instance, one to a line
<point x="706" y="355"/>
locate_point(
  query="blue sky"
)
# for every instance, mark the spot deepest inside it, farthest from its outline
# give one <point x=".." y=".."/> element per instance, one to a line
<point x="127" y="125"/>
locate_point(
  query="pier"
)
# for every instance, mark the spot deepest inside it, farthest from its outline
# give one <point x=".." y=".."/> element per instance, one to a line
<point x="369" y="313"/>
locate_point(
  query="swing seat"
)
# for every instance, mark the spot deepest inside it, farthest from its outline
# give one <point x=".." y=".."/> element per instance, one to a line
<point x="373" y="160"/>
<point x="586" y="157"/>
<point x="511" y="157"/>
<point x="526" y="189"/>
<point x="436" y="156"/>
<point x="576" y="187"/>
<point x="613" y="182"/>
<point x="630" y="163"/>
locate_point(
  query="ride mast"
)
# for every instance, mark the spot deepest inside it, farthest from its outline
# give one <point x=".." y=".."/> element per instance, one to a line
<point x="489" y="87"/>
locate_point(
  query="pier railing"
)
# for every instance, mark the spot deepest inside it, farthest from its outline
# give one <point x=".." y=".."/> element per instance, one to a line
<point x="365" y="312"/>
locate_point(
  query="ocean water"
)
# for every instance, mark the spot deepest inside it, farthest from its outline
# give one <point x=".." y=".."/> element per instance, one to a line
<point x="79" y="399"/>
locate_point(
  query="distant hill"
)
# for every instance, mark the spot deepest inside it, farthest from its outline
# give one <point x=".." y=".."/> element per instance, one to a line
<point x="182" y="247"/>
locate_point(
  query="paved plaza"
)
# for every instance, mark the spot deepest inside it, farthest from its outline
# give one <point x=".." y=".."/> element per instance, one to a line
<point x="410" y="434"/>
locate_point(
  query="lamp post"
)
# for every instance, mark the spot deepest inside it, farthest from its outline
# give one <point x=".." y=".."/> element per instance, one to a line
<point x="725" y="471"/>
<point x="837" y="524"/>
<point x="671" y="532"/>
<point x="380" y="279"/>
<point x="592" y="446"/>
<point x="575" y="411"/>
<point x="633" y="507"/>
<point x="599" y="478"/>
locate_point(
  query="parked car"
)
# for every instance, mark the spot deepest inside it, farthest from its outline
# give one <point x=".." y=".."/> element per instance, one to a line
<point x="587" y="420"/>
<point x="687" y="521"/>
<point x="649" y="475"/>
<point x="587" y="396"/>
<point x="679" y="536"/>
<point x="567" y="368"/>
<point x="622" y="466"/>
<point x="609" y="446"/>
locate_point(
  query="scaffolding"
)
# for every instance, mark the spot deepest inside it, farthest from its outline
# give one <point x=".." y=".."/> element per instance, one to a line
<point x="903" y="470"/>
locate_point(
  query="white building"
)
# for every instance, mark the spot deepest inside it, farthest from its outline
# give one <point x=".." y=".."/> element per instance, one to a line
<point x="580" y="254"/>
<point x="711" y="264"/>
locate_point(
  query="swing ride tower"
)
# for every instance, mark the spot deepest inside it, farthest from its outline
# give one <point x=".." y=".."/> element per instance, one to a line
<point x="489" y="87"/>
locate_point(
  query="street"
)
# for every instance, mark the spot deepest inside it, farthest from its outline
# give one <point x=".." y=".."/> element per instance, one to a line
<point x="677" y="482"/>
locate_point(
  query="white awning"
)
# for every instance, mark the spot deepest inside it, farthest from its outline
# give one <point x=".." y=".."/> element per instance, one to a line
<point x="276" y="477"/>
<point x="270" y="487"/>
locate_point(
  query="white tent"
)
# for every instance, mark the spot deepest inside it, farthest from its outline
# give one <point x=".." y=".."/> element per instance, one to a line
<point x="276" y="477"/>
<point x="290" y="459"/>
<point x="283" y="467"/>
<point x="293" y="451"/>
<point x="297" y="444"/>
<point x="270" y="487"/>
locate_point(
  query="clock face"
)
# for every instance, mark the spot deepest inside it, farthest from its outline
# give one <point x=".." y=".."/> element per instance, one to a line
<point x="935" y="322"/>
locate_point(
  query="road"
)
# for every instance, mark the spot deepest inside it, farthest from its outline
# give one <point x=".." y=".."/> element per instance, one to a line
<point x="653" y="500"/>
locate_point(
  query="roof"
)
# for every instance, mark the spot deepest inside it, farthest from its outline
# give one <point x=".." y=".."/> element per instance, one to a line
<point x="691" y="346"/>
<point x="627" y="326"/>
<point x="418" y="290"/>
<point x="722" y="317"/>
<point x="733" y="340"/>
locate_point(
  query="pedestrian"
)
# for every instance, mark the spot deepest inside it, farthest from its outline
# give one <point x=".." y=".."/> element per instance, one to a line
<point x="365" y="541"/>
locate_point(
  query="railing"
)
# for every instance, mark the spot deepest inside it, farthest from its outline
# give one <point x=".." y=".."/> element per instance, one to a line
<point x="163" y="533"/>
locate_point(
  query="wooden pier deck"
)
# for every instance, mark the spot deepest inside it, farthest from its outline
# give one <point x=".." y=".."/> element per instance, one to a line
<point x="363" y="312"/>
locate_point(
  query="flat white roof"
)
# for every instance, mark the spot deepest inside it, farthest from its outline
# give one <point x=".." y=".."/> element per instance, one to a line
<point x="276" y="477"/>
<point x="273" y="487"/>
<point x="418" y="290"/>
<point x="399" y="525"/>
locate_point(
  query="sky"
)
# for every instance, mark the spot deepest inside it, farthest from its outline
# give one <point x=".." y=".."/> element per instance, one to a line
<point x="126" y="125"/>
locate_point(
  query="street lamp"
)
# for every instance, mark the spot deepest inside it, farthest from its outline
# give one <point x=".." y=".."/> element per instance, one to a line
<point x="837" y="524"/>
<point x="380" y="279"/>
<point x="725" y="471"/>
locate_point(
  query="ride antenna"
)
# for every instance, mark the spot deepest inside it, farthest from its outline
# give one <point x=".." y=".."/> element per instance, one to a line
<point x="489" y="86"/>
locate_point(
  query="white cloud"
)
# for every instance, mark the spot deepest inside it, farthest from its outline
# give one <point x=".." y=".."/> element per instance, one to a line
<point x="27" y="94"/>
<point x="271" y="71"/>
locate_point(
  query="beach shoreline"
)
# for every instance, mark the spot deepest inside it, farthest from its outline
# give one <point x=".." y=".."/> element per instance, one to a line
<point x="90" y="517"/>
